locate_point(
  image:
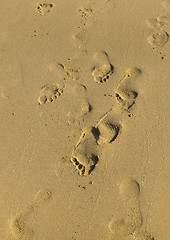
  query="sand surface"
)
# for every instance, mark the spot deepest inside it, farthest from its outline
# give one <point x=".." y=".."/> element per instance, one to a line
<point x="84" y="120"/>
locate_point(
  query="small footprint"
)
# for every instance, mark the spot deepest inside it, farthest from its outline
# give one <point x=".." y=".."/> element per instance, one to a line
<point x="49" y="93"/>
<point x="158" y="39"/>
<point x="103" y="69"/>
<point x="124" y="96"/>
<point x="160" y="36"/>
<point x="85" y="154"/>
<point x="158" y="22"/>
<point x="44" y="8"/>
<point x="17" y="223"/>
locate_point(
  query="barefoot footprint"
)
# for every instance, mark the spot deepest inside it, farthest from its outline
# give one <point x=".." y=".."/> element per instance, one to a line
<point x="125" y="96"/>
<point x="49" y="93"/>
<point x="131" y="223"/>
<point x="44" y="8"/>
<point x="103" y="68"/>
<point x="159" y="37"/>
<point x="17" y="223"/>
<point x="85" y="153"/>
<point x="81" y="108"/>
<point x="129" y="190"/>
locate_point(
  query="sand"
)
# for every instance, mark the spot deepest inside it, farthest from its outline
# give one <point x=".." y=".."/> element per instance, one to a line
<point x="84" y="113"/>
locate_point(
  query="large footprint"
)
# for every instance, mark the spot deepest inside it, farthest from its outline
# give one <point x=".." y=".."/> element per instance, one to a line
<point x="130" y="225"/>
<point x="129" y="190"/>
<point x="124" y="95"/>
<point x="103" y="69"/>
<point x="17" y="223"/>
<point x="85" y="153"/>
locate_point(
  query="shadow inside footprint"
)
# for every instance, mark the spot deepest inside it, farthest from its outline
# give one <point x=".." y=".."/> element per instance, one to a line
<point x="103" y="68"/>
<point x="102" y="74"/>
<point x="126" y="98"/>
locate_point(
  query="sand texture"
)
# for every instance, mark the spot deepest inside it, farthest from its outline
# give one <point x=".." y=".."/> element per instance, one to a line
<point x="84" y="120"/>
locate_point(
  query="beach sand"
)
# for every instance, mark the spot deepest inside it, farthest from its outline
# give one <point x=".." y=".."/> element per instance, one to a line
<point x="84" y="119"/>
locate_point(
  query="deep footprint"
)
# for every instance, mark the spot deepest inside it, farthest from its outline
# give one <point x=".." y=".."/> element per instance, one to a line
<point x="103" y="69"/>
<point x="125" y="96"/>
<point x="85" y="154"/>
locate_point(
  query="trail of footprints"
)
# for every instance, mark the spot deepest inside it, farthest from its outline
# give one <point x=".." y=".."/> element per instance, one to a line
<point x="85" y="155"/>
<point x="160" y="36"/>
<point x="17" y="224"/>
<point x="130" y="224"/>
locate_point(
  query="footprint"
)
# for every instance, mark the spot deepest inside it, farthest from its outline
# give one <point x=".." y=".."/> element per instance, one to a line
<point x="124" y="96"/>
<point x="158" y="22"/>
<point x="44" y="8"/>
<point x="85" y="154"/>
<point x="81" y="108"/>
<point x="49" y="93"/>
<point x="107" y="132"/>
<point x="17" y="223"/>
<point x="103" y="69"/>
<point x="79" y="36"/>
<point x="141" y="236"/>
<point x="160" y="36"/>
<point x="158" y="39"/>
<point x="129" y="191"/>
<point x="126" y="99"/>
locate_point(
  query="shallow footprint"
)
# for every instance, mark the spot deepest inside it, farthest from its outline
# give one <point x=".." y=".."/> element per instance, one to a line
<point x="120" y="227"/>
<point x="49" y="93"/>
<point x="158" y="39"/>
<point x="80" y="108"/>
<point x="129" y="191"/>
<point x="17" y="223"/>
<point x="142" y="236"/>
<point x="158" y="22"/>
<point x="44" y="8"/>
<point x="103" y="69"/>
